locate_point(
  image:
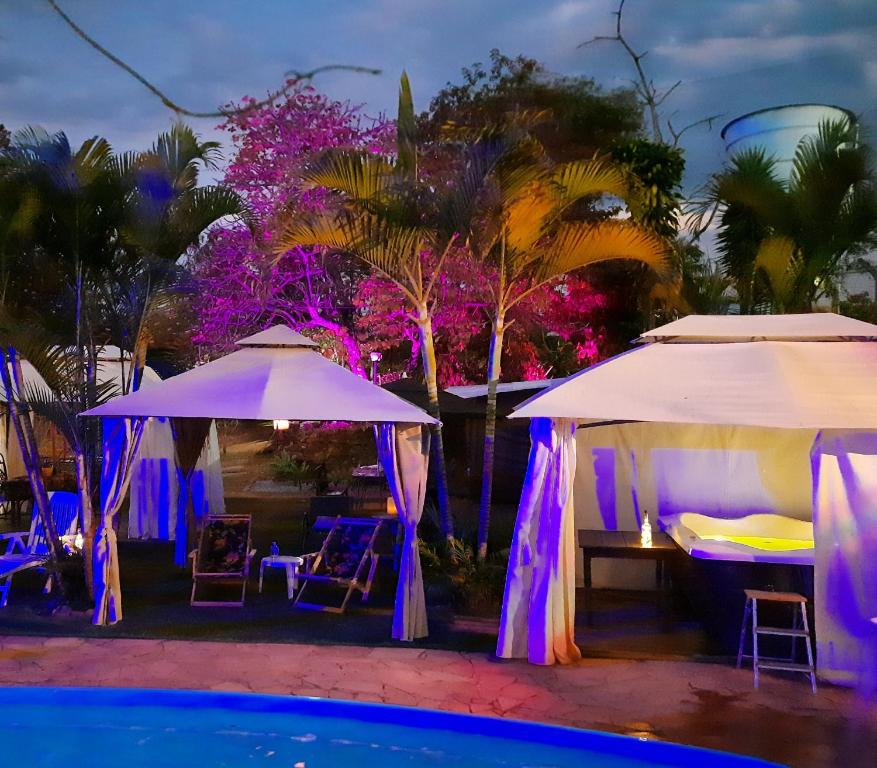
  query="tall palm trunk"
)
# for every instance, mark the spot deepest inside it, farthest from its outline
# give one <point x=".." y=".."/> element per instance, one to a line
<point x="88" y="518"/>
<point x="430" y="372"/>
<point x="85" y="451"/>
<point x="10" y="371"/>
<point x="494" y="363"/>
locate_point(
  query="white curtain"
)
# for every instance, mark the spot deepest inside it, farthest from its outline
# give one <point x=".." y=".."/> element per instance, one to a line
<point x="155" y="485"/>
<point x="152" y="511"/>
<point x="121" y="440"/>
<point x="845" y="576"/>
<point x="209" y="469"/>
<point x="538" y="611"/>
<point x="404" y="455"/>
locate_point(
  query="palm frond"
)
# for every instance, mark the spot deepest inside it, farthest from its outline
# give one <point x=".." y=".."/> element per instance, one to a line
<point x="329" y="231"/>
<point x="589" y="178"/>
<point x="751" y="182"/>
<point x="777" y="262"/>
<point x="527" y="217"/>
<point x="179" y="152"/>
<point x="384" y="245"/>
<point x="579" y="244"/>
<point x="360" y="176"/>
<point x="819" y="159"/>
<point x="459" y="205"/>
<point x="46" y="404"/>
<point x="855" y="228"/>
<point x="519" y="167"/>
<point x="123" y="166"/>
<point x="38" y="348"/>
<point x="406" y="131"/>
<point x="92" y="160"/>
<point x="394" y="250"/>
<point x="195" y="211"/>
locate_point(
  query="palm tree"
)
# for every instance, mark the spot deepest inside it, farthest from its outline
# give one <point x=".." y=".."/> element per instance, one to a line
<point x="390" y="220"/>
<point x="785" y="242"/>
<point x="108" y="230"/>
<point x="526" y="229"/>
<point x="167" y="214"/>
<point x="693" y="285"/>
<point x="74" y="202"/>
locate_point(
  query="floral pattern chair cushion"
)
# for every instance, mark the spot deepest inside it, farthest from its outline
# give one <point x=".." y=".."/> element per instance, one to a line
<point x="225" y="546"/>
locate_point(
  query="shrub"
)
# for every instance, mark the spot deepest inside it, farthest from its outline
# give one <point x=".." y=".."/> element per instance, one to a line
<point x="287" y="468"/>
<point x="454" y="570"/>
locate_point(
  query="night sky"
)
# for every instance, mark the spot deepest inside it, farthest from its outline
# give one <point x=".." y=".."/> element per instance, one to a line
<point x="732" y="56"/>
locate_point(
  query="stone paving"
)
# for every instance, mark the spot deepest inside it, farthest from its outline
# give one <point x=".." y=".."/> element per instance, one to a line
<point x="709" y="705"/>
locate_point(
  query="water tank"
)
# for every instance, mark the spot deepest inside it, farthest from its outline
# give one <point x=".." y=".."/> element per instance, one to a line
<point x="778" y="130"/>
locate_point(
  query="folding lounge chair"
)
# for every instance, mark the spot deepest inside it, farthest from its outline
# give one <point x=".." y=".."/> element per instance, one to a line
<point x="348" y="546"/>
<point x="29" y="549"/>
<point x="223" y="556"/>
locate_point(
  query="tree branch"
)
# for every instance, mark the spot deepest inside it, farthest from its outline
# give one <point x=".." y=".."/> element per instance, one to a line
<point x="293" y="76"/>
<point x="649" y="94"/>
<point x="708" y="121"/>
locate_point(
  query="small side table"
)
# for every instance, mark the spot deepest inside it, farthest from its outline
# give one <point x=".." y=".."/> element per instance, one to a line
<point x="626" y="545"/>
<point x="290" y="562"/>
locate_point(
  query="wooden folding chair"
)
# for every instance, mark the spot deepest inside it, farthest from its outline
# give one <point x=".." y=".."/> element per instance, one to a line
<point x="223" y="556"/>
<point x="348" y="547"/>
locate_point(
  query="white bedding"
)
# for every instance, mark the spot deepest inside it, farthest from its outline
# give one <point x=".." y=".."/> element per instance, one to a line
<point x="759" y="538"/>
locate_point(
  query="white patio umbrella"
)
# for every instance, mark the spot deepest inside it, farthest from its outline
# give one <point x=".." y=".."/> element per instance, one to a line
<point x="787" y="384"/>
<point x="277" y="374"/>
<point x="816" y="372"/>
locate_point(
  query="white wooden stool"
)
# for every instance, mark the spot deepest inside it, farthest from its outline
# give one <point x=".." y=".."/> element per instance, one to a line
<point x="797" y="630"/>
<point x="290" y="563"/>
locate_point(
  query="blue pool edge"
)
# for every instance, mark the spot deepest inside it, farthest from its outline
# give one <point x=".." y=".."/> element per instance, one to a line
<point x="388" y="714"/>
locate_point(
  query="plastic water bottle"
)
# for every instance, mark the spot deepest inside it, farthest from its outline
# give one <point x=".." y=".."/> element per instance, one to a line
<point x="275" y="549"/>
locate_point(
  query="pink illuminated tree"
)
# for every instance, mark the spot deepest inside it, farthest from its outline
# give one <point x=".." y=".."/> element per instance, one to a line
<point x="554" y="331"/>
<point x="242" y="286"/>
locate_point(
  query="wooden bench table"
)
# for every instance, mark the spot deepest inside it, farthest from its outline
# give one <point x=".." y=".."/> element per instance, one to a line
<point x="625" y="545"/>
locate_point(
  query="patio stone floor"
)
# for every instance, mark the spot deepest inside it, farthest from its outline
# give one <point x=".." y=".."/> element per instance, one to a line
<point x="711" y="705"/>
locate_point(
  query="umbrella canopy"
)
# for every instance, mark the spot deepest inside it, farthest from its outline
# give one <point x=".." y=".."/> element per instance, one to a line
<point x="415" y="392"/>
<point x="109" y="370"/>
<point x="276" y="374"/>
<point x="785" y="384"/>
<point x="815" y="326"/>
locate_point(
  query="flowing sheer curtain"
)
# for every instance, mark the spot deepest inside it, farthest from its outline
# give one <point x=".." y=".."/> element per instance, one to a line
<point x="538" y="611"/>
<point x="845" y="575"/>
<point x="121" y="440"/>
<point x="152" y="511"/>
<point x="404" y="455"/>
<point x="155" y="488"/>
<point x="190" y="435"/>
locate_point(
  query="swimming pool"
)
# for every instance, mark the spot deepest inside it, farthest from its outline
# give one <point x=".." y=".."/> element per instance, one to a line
<point x="48" y="727"/>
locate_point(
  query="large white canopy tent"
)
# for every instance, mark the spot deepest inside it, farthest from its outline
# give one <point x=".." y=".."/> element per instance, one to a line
<point x="154" y="485"/>
<point x="277" y="374"/>
<point x="729" y="376"/>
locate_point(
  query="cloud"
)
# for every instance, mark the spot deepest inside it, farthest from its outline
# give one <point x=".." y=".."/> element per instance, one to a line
<point x="716" y="53"/>
<point x="206" y="52"/>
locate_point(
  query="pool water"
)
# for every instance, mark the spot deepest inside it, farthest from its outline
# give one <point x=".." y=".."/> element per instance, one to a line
<point x="43" y="727"/>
